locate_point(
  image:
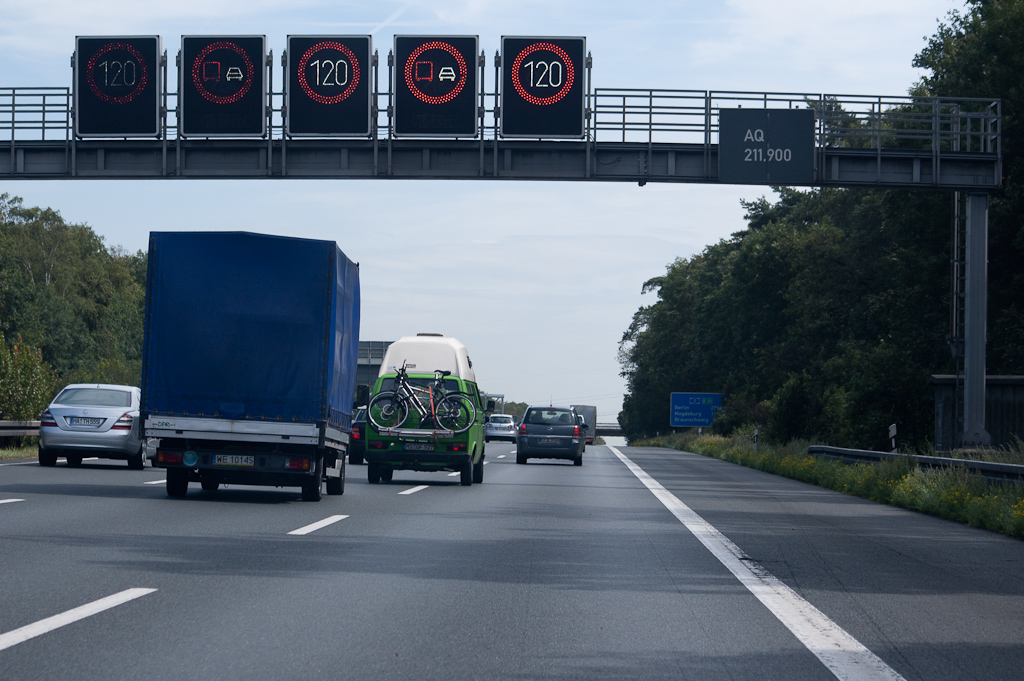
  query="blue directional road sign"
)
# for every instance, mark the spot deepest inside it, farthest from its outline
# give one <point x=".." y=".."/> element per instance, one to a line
<point x="693" y="410"/>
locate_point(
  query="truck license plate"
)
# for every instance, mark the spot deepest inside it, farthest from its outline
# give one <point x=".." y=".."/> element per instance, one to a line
<point x="233" y="460"/>
<point x="419" y="446"/>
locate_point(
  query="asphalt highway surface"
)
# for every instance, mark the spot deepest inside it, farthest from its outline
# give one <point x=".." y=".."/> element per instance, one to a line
<point x="641" y="564"/>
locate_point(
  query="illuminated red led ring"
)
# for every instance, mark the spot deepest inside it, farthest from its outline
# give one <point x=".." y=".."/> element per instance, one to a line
<point x="90" y="75"/>
<point x="570" y="73"/>
<point x="197" y="74"/>
<point x="334" y="99"/>
<point x="459" y="84"/>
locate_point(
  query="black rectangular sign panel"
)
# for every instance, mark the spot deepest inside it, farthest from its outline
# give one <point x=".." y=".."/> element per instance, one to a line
<point x="223" y="86"/>
<point x="766" y="146"/>
<point x="117" y="86"/>
<point x="436" y="88"/>
<point x="328" y="85"/>
<point x="542" y="87"/>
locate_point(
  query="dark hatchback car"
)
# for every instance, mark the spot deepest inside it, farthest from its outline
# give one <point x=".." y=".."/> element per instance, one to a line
<point x="357" y="440"/>
<point x="550" y="433"/>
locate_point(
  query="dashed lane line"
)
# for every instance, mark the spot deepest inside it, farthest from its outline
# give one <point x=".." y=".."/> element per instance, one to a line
<point x="320" y="524"/>
<point x="29" y="631"/>
<point x="154" y="482"/>
<point x="413" y="490"/>
<point x="846" y="657"/>
<point x="9" y="501"/>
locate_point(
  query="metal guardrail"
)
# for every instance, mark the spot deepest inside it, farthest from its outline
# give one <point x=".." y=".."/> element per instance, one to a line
<point x="998" y="472"/>
<point x="19" y="429"/>
<point x="942" y="125"/>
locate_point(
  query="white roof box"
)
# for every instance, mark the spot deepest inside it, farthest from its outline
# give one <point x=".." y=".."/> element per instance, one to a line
<point x="427" y="353"/>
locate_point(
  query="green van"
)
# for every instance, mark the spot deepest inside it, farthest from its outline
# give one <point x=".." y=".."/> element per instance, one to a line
<point x="422" y="445"/>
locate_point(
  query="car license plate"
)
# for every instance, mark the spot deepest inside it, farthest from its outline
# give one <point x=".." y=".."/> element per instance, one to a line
<point x="233" y="460"/>
<point x="83" y="421"/>
<point x="549" y="440"/>
<point x="418" y="446"/>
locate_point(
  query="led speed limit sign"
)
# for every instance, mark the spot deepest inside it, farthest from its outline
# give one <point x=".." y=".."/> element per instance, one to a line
<point x="117" y="86"/>
<point x="542" y="87"/>
<point x="328" y="85"/>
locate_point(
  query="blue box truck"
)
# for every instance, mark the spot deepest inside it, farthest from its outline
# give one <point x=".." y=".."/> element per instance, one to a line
<point x="249" y="360"/>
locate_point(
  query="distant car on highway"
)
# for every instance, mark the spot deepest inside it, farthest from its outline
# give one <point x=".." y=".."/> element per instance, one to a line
<point x="550" y="433"/>
<point x="357" y="439"/>
<point x="92" y="419"/>
<point x="500" y="427"/>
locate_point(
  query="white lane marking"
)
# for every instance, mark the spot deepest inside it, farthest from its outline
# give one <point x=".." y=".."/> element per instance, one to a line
<point x="9" y="501"/>
<point x="154" y="482"/>
<point x="413" y="490"/>
<point x="452" y="475"/>
<point x="21" y="463"/>
<point x="319" y="524"/>
<point x="486" y="462"/>
<point x="22" y="634"/>
<point x="91" y="458"/>
<point x="501" y="456"/>
<point x="842" y="654"/>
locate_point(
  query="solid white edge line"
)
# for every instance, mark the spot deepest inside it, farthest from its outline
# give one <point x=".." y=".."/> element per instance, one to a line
<point x="846" y="657"/>
<point x="21" y="463"/>
<point x="154" y="482"/>
<point x="413" y="490"/>
<point x="22" y="634"/>
<point x="319" y="524"/>
<point x="9" y="501"/>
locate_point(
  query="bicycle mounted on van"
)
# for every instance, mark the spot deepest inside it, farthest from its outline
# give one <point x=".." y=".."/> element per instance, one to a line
<point x="449" y="411"/>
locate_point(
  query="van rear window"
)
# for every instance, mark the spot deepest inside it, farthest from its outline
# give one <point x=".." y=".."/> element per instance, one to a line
<point x="450" y="384"/>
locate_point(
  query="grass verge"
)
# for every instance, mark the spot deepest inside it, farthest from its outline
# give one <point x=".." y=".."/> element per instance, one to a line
<point x="954" y="493"/>
<point x="10" y="448"/>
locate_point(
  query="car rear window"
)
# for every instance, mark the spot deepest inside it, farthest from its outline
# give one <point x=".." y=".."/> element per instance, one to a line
<point x="500" y="419"/>
<point x="549" y="417"/>
<point x="450" y="384"/>
<point x="95" y="397"/>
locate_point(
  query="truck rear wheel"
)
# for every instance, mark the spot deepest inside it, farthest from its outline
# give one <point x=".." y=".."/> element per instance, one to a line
<point x="311" y="490"/>
<point x="177" y="482"/>
<point x="336" y="486"/>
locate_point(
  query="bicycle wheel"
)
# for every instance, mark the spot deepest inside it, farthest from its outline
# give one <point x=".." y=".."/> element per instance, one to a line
<point x="387" y="410"/>
<point x="456" y="412"/>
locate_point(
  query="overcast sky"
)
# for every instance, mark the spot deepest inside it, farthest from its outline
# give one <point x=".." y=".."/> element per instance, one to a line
<point x="539" y="280"/>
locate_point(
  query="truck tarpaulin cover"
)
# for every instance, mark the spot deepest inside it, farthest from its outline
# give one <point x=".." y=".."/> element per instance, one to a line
<point x="248" y="326"/>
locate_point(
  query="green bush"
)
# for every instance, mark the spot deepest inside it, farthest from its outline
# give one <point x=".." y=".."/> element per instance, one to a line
<point x="26" y="382"/>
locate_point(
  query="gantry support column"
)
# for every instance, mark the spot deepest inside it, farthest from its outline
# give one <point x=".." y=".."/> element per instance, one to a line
<point x="975" y="322"/>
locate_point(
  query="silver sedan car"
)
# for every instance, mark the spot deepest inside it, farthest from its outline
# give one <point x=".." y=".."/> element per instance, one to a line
<point x="89" y="419"/>
<point x="500" y="427"/>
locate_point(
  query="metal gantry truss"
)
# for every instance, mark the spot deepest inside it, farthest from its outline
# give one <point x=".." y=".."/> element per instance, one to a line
<point x="631" y="135"/>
